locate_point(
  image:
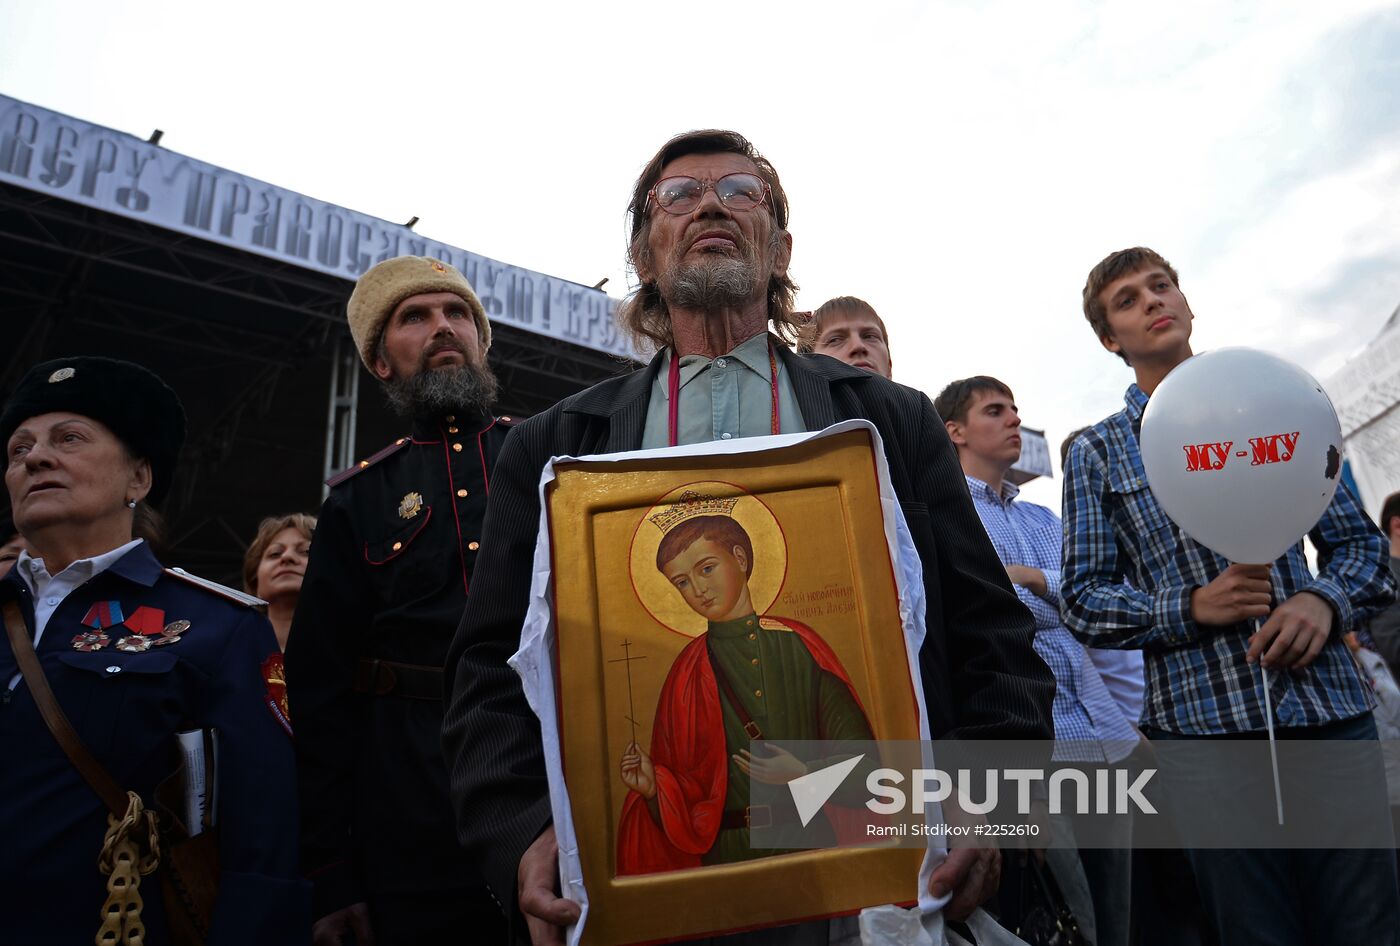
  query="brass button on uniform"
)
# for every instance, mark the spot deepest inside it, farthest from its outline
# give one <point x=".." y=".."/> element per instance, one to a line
<point x="456" y="448"/>
<point x="754" y="661"/>
<point x="397" y="546"/>
<point x="473" y="545"/>
<point x="753" y="637"/>
<point x="749" y="623"/>
<point x="461" y="494"/>
<point x="451" y="418"/>
<point x="758" y="693"/>
<point x="452" y="430"/>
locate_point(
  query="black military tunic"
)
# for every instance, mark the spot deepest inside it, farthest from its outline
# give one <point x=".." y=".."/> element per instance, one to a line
<point x="388" y="578"/>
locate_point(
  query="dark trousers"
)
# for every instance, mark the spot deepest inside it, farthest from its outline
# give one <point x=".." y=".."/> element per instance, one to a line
<point x="1301" y="897"/>
<point x="437" y="918"/>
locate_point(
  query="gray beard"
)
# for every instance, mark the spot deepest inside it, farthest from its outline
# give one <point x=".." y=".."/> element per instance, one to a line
<point x="452" y="389"/>
<point x="719" y="283"/>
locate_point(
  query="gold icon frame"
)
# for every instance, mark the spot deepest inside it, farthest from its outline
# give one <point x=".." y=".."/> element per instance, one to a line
<point x="838" y="577"/>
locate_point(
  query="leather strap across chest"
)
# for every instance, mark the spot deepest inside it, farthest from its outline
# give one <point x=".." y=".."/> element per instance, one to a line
<point x="727" y="689"/>
<point x="78" y="753"/>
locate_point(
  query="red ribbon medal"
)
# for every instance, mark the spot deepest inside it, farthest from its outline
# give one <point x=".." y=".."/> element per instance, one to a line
<point x="146" y="621"/>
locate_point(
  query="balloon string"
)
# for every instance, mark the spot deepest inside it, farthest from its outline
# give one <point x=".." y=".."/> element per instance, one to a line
<point x="1269" y="722"/>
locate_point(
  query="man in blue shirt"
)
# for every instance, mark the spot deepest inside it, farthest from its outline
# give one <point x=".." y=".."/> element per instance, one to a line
<point x="984" y="424"/>
<point x="1132" y="579"/>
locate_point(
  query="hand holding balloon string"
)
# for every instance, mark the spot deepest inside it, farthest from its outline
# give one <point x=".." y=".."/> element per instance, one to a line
<point x="1295" y="631"/>
<point x="1294" y="634"/>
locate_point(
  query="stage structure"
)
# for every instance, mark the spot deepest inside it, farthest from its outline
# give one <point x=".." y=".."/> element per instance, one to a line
<point x="1035" y="458"/>
<point x="1366" y="393"/>
<point x="234" y="291"/>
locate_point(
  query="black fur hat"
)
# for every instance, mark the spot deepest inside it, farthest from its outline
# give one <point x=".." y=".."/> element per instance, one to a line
<point x="131" y="401"/>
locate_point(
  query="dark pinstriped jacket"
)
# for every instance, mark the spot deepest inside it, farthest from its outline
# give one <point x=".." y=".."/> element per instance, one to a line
<point x="982" y="679"/>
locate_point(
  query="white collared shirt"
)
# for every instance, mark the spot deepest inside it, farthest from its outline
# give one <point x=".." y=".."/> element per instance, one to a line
<point x="49" y="591"/>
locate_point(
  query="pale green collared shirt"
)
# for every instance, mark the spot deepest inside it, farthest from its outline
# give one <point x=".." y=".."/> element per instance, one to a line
<point x="722" y="398"/>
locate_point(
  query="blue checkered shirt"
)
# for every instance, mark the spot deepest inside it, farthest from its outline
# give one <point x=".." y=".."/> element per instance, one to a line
<point x="1129" y="573"/>
<point x="1089" y="726"/>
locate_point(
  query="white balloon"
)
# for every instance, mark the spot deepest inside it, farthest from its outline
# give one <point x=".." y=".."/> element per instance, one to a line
<point x="1243" y="451"/>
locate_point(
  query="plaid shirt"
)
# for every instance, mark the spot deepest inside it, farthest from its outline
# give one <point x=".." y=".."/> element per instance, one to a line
<point x="1089" y="726"/>
<point x="1127" y="581"/>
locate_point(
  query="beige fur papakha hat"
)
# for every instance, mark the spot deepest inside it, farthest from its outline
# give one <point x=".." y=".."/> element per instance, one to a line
<point x="384" y="285"/>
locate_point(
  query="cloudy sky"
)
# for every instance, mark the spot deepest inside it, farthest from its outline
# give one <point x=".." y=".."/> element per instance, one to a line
<point x="959" y="165"/>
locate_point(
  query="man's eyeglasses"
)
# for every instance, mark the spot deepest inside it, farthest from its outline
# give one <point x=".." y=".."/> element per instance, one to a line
<point x="681" y="195"/>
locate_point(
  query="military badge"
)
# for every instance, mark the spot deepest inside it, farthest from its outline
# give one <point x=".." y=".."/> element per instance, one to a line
<point x="62" y="374"/>
<point x="103" y="614"/>
<point x="275" y="679"/>
<point x="436" y="265"/>
<point x="170" y="634"/>
<point x="134" y="644"/>
<point x="410" y="504"/>
<point x="88" y="642"/>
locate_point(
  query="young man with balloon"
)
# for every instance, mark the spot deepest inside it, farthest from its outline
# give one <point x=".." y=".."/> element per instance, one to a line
<point x="1183" y="525"/>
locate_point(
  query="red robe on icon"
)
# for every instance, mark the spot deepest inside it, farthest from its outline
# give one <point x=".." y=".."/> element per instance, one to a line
<point x="691" y="761"/>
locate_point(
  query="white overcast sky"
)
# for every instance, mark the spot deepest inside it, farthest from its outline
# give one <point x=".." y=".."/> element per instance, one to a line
<point x="961" y="166"/>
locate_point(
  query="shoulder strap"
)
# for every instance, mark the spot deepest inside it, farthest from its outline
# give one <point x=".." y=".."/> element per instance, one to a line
<point x="727" y="689"/>
<point x="223" y="591"/>
<point x="344" y="475"/>
<point x="83" y="760"/>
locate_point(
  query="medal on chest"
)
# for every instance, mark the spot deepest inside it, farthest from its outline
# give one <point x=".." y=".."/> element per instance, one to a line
<point x="410" y="505"/>
<point x="147" y="628"/>
<point x="99" y="617"/>
<point x="146" y="623"/>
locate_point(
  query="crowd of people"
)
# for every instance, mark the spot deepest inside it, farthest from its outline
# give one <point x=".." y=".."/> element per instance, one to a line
<point x="412" y="805"/>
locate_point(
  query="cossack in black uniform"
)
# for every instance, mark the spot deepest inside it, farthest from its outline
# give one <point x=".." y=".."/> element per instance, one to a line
<point x="390" y="570"/>
<point x="391" y="566"/>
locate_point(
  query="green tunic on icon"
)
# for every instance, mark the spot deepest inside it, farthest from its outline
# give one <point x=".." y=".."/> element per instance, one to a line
<point x="790" y="697"/>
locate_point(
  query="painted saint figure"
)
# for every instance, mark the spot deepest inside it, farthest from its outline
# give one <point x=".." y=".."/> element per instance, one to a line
<point x="746" y="680"/>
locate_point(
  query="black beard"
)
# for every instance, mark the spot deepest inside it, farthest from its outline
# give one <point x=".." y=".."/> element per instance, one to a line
<point x="465" y="389"/>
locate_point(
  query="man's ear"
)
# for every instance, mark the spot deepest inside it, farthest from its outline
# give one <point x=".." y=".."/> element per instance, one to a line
<point x="955" y="433"/>
<point x="382" y="371"/>
<point x="782" y="255"/>
<point x="1109" y="342"/>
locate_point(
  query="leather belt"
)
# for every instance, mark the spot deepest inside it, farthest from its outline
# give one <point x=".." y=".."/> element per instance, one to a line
<point x="375" y="677"/>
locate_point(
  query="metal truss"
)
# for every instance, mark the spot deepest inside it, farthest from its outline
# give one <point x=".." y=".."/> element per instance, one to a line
<point x="69" y="272"/>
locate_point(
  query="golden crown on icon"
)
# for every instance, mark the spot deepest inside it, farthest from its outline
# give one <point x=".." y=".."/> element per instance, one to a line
<point x="690" y="505"/>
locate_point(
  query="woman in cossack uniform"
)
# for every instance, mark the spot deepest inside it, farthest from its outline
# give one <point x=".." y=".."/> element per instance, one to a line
<point x="134" y="654"/>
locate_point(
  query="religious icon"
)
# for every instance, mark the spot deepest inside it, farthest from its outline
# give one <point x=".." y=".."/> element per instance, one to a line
<point x="742" y="668"/>
<point x="709" y="610"/>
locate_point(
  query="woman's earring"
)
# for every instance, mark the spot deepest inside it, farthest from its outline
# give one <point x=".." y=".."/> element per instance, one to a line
<point x="131" y="504"/>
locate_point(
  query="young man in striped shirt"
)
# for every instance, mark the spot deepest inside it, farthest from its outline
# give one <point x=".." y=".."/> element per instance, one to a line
<point x="984" y="424"/>
<point x="1132" y="579"/>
